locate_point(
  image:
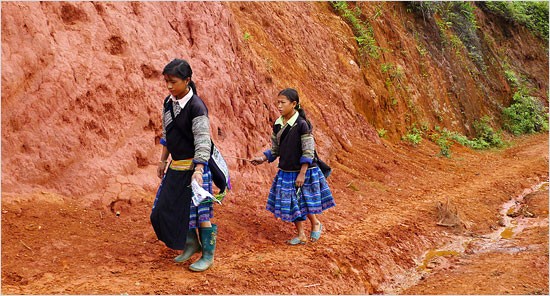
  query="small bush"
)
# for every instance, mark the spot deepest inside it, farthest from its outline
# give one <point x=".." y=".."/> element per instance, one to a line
<point x="480" y="142"/>
<point x="414" y="136"/>
<point x="382" y="132"/>
<point x="364" y="34"/>
<point x="444" y="146"/>
<point x="386" y="67"/>
<point x="414" y="139"/>
<point x="457" y="26"/>
<point x="526" y="115"/>
<point x="512" y="78"/>
<point x="486" y="137"/>
<point x="531" y="14"/>
<point x="246" y="36"/>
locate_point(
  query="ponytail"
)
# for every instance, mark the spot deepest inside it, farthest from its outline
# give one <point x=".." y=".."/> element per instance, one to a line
<point x="193" y="87"/>
<point x="302" y="114"/>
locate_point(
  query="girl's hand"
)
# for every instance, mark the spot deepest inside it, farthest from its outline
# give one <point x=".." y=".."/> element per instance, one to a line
<point x="258" y="160"/>
<point x="197" y="176"/>
<point x="300" y="179"/>
<point x="160" y="169"/>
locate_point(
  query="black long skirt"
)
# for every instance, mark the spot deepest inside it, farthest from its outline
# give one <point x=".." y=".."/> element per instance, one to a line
<point x="170" y="214"/>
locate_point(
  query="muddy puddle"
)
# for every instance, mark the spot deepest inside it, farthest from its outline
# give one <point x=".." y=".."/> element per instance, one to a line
<point x="514" y="218"/>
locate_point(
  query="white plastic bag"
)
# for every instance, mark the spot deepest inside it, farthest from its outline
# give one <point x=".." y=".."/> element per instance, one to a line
<point x="199" y="194"/>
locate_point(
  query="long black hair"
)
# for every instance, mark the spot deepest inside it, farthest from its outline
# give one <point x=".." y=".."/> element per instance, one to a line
<point x="292" y="95"/>
<point x="181" y="69"/>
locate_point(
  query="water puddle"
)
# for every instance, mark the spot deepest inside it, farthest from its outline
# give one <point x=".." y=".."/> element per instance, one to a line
<point x="501" y="240"/>
<point x="432" y="254"/>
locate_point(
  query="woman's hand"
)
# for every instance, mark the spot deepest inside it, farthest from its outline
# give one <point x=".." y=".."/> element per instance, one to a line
<point x="160" y="169"/>
<point x="300" y="179"/>
<point x="259" y="160"/>
<point x="197" y="176"/>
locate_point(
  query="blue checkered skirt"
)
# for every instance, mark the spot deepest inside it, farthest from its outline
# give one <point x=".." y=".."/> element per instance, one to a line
<point x="204" y="211"/>
<point x="314" y="198"/>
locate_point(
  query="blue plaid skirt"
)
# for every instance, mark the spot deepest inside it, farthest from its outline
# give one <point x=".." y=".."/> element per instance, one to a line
<point x="202" y="212"/>
<point x="205" y="211"/>
<point x="314" y="198"/>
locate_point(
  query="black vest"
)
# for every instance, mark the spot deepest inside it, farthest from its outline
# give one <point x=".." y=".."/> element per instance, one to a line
<point x="290" y="145"/>
<point x="179" y="134"/>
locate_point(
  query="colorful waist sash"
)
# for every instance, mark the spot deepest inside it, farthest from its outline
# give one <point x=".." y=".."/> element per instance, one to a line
<point x="182" y="165"/>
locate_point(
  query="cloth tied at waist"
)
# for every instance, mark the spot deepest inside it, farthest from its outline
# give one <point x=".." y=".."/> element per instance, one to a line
<point x="182" y="165"/>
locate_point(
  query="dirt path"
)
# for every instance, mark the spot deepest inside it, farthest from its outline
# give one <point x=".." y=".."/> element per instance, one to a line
<point x="385" y="220"/>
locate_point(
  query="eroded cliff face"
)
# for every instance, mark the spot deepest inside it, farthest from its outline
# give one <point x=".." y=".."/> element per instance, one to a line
<point x="82" y="89"/>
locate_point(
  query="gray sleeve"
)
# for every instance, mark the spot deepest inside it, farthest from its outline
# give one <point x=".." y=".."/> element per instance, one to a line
<point x="308" y="147"/>
<point x="201" y="133"/>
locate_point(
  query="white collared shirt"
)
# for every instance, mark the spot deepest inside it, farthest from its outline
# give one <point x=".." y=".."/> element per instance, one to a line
<point x="183" y="101"/>
<point x="290" y="122"/>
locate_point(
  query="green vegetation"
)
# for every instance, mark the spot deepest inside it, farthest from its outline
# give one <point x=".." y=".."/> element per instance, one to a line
<point x="463" y="23"/>
<point x="364" y="34"/>
<point x="442" y="140"/>
<point x="457" y="27"/>
<point x="531" y="14"/>
<point x="385" y="68"/>
<point x="382" y="132"/>
<point x="246" y="36"/>
<point x="486" y="137"/>
<point x="393" y="81"/>
<point x="421" y="50"/>
<point x="512" y="78"/>
<point x="393" y="71"/>
<point x="414" y="136"/>
<point x="526" y="115"/>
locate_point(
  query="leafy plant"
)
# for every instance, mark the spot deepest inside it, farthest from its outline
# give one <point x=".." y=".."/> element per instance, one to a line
<point x="421" y="50"/>
<point x="457" y="22"/>
<point x="395" y="73"/>
<point x="531" y="14"/>
<point x="364" y="34"/>
<point x="486" y="137"/>
<point x="414" y="136"/>
<point x="386" y="67"/>
<point x="382" y="132"/>
<point x="444" y="146"/>
<point x="526" y="115"/>
<point x="512" y="78"/>
<point x="246" y="36"/>
<point x="476" y="143"/>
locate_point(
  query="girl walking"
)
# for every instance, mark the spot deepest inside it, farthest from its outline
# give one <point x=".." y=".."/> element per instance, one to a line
<point x="186" y="138"/>
<point x="299" y="190"/>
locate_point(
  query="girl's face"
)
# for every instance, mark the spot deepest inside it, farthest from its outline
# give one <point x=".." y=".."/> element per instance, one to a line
<point x="176" y="86"/>
<point x="285" y="106"/>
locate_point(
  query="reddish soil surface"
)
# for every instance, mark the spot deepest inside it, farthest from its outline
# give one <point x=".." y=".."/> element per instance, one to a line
<point x="90" y="72"/>
<point x="373" y="241"/>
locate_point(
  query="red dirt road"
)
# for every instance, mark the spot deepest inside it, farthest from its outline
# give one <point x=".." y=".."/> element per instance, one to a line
<point x="384" y="221"/>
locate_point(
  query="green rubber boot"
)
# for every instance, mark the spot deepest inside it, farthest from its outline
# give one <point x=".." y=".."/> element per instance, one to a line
<point x="208" y="241"/>
<point x="192" y="246"/>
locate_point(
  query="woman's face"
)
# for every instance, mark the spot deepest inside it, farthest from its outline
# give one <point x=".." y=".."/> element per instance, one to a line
<point x="285" y="106"/>
<point x="176" y="86"/>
